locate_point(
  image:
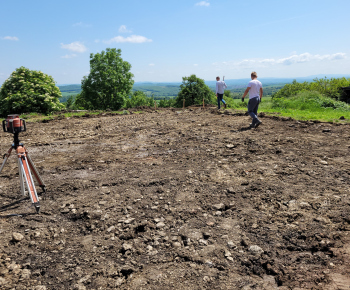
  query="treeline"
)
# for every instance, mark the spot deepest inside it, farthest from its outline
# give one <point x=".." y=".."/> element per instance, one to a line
<point x="144" y="98"/>
<point x="161" y="91"/>
<point x="325" y="88"/>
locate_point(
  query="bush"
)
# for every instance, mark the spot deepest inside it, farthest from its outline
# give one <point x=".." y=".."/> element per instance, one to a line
<point x="328" y="87"/>
<point x="29" y="91"/>
<point x="165" y="103"/>
<point x="311" y="101"/>
<point x="139" y="99"/>
<point x="194" y="90"/>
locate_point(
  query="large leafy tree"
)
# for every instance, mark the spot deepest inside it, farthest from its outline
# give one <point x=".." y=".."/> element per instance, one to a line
<point x="193" y="90"/>
<point x="109" y="82"/>
<point x="27" y="91"/>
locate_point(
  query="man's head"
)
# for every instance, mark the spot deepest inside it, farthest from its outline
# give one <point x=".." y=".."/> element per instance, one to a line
<point x="254" y="75"/>
<point x="217" y="78"/>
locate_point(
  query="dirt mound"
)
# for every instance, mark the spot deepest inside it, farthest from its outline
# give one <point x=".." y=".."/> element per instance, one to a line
<point x="174" y="199"/>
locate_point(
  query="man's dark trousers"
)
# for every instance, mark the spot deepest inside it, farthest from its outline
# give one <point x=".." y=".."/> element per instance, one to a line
<point x="253" y="106"/>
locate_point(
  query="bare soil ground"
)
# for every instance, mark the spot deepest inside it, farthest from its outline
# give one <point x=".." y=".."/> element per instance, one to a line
<point x="174" y="199"/>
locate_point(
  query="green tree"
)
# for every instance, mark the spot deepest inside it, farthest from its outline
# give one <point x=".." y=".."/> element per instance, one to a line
<point x="109" y="82"/>
<point x="70" y="102"/>
<point x="164" y="103"/>
<point x="193" y="90"/>
<point x="27" y="91"/>
<point x="139" y="99"/>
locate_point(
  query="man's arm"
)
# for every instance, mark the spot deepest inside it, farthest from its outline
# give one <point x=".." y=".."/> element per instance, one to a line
<point x="246" y="92"/>
<point x="261" y="93"/>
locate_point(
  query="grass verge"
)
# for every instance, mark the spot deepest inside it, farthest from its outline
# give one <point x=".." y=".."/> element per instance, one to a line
<point x="302" y="109"/>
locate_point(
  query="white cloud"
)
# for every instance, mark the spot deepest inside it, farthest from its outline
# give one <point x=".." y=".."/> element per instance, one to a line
<point x="339" y="55"/>
<point x="74" y="46"/>
<point x="203" y="3"/>
<point x="246" y="62"/>
<point x="267" y="60"/>
<point x="151" y="64"/>
<point x="69" y="56"/>
<point x="307" y="57"/>
<point x="293" y="59"/>
<point x="13" y="38"/>
<point x="123" y="29"/>
<point x="304" y="57"/>
<point x="130" y="39"/>
<point x="195" y="64"/>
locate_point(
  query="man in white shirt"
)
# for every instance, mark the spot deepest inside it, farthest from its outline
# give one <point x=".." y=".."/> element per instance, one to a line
<point x="220" y="89"/>
<point x="255" y="94"/>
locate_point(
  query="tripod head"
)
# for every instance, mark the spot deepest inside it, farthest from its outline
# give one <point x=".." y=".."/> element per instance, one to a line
<point x="13" y="124"/>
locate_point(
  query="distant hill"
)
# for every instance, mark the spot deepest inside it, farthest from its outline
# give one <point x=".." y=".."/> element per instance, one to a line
<point x="69" y="90"/>
<point x="171" y="89"/>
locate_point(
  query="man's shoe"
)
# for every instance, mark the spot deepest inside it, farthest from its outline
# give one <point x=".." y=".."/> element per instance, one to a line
<point x="257" y="124"/>
<point x="225" y="106"/>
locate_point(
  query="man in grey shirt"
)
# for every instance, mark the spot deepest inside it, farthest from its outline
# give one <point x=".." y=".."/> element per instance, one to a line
<point x="220" y="89"/>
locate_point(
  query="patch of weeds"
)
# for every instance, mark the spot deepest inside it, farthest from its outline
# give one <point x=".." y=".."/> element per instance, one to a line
<point x="124" y="112"/>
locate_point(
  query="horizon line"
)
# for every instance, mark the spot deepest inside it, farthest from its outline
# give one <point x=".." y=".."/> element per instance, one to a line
<point x="305" y="77"/>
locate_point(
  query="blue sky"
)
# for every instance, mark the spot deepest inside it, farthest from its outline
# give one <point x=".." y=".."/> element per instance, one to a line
<point x="167" y="40"/>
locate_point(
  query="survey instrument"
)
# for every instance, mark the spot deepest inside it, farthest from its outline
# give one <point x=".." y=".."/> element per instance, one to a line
<point x="15" y="125"/>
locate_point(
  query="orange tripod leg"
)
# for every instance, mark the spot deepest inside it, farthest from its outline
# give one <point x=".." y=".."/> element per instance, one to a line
<point x="25" y="171"/>
<point x="35" y="171"/>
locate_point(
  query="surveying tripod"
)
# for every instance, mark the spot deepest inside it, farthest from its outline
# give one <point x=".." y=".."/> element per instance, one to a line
<point x="13" y="124"/>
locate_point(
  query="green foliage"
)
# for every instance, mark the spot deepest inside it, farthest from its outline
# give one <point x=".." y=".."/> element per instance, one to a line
<point x="304" y="107"/>
<point x="193" y="90"/>
<point x="311" y="101"/>
<point x="316" y="100"/>
<point x="328" y="87"/>
<point x="345" y="95"/>
<point x="109" y="82"/>
<point x="70" y="102"/>
<point x="165" y="103"/>
<point x="29" y="91"/>
<point x="231" y="100"/>
<point x="139" y="99"/>
<point x="80" y="103"/>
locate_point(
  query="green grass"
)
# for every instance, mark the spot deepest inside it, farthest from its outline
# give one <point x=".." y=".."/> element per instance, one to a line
<point x="304" y="106"/>
<point x="319" y="115"/>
